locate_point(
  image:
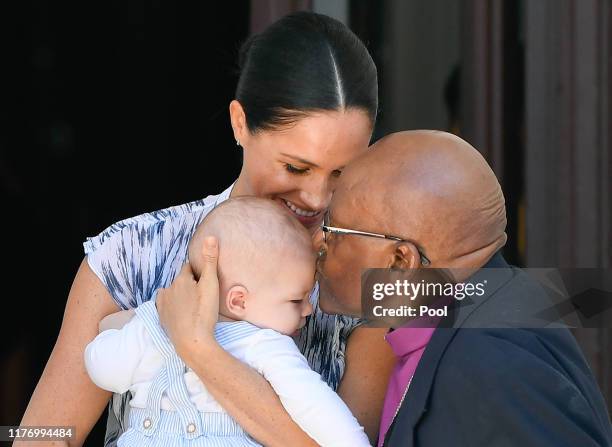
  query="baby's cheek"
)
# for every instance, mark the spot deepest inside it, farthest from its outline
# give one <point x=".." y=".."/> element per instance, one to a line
<point x="283" y="322"/>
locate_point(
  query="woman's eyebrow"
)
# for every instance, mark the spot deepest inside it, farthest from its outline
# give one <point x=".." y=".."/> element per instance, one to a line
<point x="301" y="160"/>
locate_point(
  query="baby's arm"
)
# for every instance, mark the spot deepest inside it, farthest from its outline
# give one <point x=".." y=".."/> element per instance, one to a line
<point x="310" y="402"/>
<point x="112" y="357"/>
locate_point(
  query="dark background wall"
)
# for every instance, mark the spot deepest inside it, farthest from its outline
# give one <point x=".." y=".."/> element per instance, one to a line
<point x="113" y="110"/>
<point x="117" y="109"/>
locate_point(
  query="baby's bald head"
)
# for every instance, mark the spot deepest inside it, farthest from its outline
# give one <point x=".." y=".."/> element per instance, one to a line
<point x="255" y="237"/>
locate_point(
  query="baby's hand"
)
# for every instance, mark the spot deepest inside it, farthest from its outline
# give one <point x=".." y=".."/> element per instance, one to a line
<point x="116" y="320"/>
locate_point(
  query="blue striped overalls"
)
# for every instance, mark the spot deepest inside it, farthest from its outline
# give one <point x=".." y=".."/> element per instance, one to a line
<point x="153" y="426"/>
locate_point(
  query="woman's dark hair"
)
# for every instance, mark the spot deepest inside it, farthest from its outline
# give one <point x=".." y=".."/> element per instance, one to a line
<point x="302" y="63"/>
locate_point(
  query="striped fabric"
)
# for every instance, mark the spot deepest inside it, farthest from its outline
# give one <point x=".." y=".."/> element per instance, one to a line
<point x="135" y="257"/>
<point x="220" y="429"/>
<point x="186" y="426"/>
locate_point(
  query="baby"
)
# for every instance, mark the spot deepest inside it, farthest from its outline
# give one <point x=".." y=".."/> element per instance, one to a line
<point x="266" y="273"/>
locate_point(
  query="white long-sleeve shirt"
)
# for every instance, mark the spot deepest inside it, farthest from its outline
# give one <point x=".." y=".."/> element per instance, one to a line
<point x="128" y="359"/>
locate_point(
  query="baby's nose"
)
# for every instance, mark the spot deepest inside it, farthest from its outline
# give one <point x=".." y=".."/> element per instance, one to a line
<point x="307" y="309"/>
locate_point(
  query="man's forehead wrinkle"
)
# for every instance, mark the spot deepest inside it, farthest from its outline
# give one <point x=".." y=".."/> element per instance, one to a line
<point x="361" y="192"/>
<point x="355" y="205"/>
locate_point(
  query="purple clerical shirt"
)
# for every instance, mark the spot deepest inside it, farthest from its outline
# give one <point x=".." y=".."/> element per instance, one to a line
<point x="408" y="344"/>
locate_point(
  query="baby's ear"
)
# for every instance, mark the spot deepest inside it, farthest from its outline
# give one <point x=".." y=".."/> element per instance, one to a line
<point x="236" y="300"/>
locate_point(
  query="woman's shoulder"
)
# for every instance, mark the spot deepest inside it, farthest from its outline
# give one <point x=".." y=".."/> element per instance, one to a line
<point x="174" y="216"/>
<point x="135" y="257"/>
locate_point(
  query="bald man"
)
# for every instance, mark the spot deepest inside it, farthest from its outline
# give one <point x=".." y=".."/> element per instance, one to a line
<point x="465" y="382"/>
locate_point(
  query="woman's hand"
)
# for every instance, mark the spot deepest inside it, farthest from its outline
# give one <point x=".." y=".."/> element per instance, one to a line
<point x="189" y="309"/>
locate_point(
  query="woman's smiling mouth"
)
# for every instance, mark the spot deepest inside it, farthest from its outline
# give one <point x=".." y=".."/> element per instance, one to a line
<point x="306" y="218"/>
<point x="299" y="211"/>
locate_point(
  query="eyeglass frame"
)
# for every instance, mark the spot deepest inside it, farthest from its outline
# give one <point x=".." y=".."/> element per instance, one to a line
<point x="337" y="230"/>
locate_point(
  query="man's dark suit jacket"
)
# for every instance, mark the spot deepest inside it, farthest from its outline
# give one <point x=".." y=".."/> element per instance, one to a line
<point x="501" y="387"/>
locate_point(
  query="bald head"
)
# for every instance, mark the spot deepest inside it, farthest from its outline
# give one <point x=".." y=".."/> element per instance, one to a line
<point x="255" y="236"/>
<point x="433" y="188"/>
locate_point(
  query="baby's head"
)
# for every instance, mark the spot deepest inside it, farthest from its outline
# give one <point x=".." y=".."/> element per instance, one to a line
<point x="266" y="263"/>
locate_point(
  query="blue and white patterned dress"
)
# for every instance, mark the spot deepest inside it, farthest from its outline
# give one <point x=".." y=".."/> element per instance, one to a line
<point x="136" y="256"/>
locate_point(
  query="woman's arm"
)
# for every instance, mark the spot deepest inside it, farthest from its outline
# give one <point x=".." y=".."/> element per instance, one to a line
<point x="369" y="362"/>
<point x="247" y="397"/>
<point x="316" y="408"/>
<point x="188" y="311"/>
<point x="65" y="395"/>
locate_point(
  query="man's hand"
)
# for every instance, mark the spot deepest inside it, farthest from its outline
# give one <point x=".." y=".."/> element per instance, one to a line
<point x="188" y="310"/>
<point x="116" y="320"/>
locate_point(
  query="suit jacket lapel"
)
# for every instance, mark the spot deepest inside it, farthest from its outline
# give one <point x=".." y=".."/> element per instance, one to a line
<point x="415" y="403"/>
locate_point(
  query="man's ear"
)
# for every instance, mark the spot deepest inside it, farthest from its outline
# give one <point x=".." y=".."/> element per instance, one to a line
<point x="405" y="256"/>
<point x="236" y="300"/>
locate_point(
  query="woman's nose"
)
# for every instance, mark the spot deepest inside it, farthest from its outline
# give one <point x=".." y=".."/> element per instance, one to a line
<point x="317" y="194"/>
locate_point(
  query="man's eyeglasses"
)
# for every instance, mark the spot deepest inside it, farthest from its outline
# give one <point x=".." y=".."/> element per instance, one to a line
<point x="326" y="228"/>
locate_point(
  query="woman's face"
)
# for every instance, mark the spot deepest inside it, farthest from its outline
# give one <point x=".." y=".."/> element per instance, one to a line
<point x="298" y="165"/>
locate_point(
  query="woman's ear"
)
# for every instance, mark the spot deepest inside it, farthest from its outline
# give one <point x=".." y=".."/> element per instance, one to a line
<point x="238" y="121"/>
<point x="405" y="256"/>
<point x="236" y="300"/>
